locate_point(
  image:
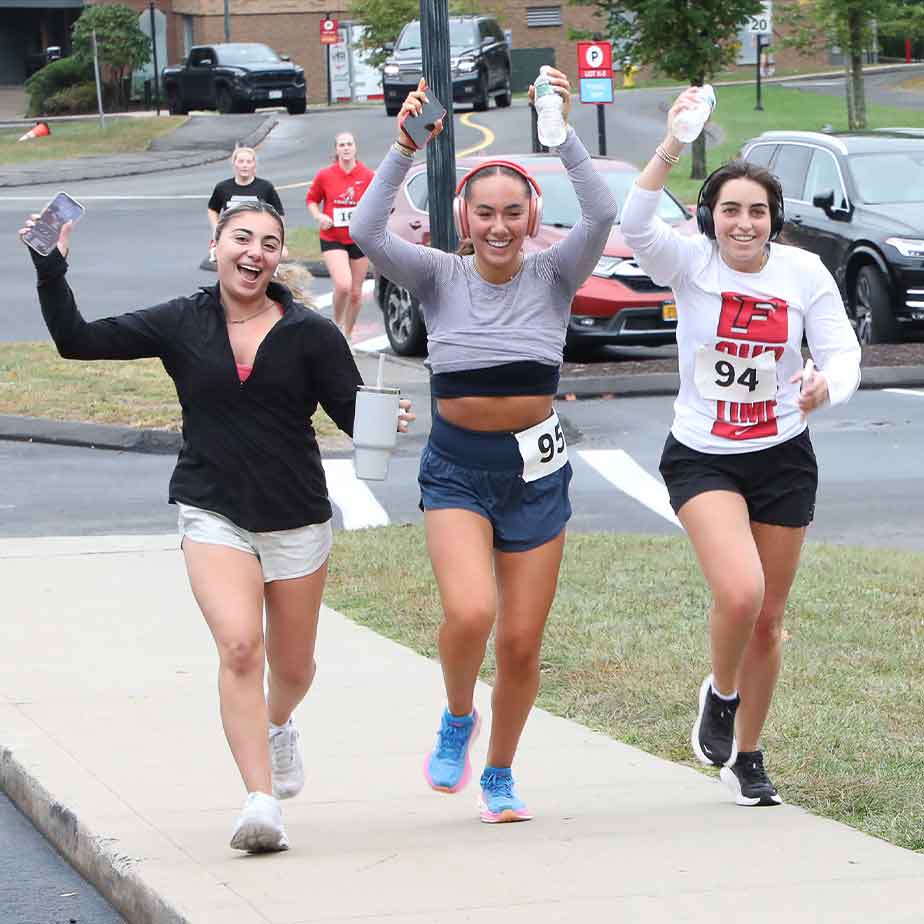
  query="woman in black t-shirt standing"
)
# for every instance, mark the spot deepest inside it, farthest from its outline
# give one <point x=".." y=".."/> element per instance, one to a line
<point x="250" y="366"/>
<point x="244" y="186"/>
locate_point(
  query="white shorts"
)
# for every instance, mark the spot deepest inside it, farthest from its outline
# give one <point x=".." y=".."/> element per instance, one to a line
<point x="283" y="554"/>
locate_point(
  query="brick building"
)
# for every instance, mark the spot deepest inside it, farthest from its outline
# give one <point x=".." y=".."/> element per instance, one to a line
<point x="291" y="27"/>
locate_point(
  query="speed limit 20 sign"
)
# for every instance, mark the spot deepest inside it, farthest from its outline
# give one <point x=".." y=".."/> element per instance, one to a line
<point x="762" y="22"/>
<point x="595" y="71"/>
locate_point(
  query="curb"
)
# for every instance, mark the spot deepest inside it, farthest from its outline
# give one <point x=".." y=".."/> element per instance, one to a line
<point x="168" y="161"/>
<point x="110" y="872"/>
<point x="168" y="442"/>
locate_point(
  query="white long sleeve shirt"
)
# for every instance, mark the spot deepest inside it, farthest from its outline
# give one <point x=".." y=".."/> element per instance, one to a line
<point x="740" y="316"/>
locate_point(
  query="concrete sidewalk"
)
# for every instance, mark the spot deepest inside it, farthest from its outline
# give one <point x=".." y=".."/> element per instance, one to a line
<point x="111" y="743"/>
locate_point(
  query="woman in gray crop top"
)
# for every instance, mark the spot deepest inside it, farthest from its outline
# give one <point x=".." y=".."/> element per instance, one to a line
<point x="494" y="475"/>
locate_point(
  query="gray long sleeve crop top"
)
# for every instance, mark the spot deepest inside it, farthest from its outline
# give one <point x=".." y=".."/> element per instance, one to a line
<point x="472" y="323"/>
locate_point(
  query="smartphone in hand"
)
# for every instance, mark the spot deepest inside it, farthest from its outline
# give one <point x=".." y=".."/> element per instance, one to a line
<point x="43" y="235"/>
<point x="419" y="127"/>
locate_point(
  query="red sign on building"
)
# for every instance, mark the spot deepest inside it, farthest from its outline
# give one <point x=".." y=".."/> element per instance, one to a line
<point x="330" y="31"/>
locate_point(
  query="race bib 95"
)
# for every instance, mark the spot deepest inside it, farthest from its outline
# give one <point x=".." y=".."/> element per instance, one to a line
<point x="542" y="448"/>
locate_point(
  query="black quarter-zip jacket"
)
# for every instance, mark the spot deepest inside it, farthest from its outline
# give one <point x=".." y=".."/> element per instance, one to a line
<point x="249" y="451"/>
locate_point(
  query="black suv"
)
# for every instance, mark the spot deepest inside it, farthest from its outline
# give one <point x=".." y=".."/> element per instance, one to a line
<point x="857" y="200"/>
<point x="480" y="63"/>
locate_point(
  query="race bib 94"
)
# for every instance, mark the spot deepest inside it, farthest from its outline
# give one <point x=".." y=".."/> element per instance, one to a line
<point x="342" y="217"/>
<point x="542" y="448"/>
<point x="722" y="377"/>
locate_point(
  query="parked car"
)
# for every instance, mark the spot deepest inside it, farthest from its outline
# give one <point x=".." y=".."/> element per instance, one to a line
<point x="857" y="200"/>
<point x="618" y="304"/>
<point x="234" y="77"/>
<point x="479" y="62"/>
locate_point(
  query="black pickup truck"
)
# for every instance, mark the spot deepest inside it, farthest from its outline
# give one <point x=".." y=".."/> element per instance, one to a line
<point x="234" y="77"/>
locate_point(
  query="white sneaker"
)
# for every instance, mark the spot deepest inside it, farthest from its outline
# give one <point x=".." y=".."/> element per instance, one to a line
<point x="259" y="829"/>
<point x="286" y="761"/>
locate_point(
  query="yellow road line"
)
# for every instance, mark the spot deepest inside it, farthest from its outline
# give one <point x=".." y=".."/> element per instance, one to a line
<point x="485" y="142"/>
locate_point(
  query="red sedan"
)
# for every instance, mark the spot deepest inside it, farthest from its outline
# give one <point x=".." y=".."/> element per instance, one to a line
<point x="618" y="304"/>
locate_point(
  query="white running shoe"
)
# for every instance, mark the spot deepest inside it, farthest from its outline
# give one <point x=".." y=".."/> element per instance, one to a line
<point x="286" y="761"/>
<point x="259" y="829"/>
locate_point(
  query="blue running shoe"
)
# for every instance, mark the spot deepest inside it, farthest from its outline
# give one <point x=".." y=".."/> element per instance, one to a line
<point x="447" y="767"/>
<point x="499" y="799"/>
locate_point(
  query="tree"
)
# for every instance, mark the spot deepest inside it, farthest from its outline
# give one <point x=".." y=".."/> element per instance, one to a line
<point x="853" y="25"/>
<point x="384" y="20"/>
<point x="689" y="40"/>
<point x="121" y="45"/>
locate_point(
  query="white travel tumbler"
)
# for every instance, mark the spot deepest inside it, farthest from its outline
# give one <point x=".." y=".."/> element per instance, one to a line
<point x="375" y="430"/>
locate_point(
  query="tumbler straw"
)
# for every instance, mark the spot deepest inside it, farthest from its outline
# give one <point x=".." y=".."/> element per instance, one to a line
<point x="381" y="374"/>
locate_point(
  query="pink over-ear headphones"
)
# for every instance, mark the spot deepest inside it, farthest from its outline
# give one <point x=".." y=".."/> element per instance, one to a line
<point x="460" y="206"/>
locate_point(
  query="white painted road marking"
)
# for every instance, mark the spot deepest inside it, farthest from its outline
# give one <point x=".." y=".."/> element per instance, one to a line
<point x="623" y="472"/>
<point x="357" y="504"/>
<point x="373" y="345"/>
<point x="325" y="300"/>
<point x="917" y="393"/>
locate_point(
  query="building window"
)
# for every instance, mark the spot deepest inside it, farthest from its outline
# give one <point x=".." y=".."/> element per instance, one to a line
<point x="543" y="16"/>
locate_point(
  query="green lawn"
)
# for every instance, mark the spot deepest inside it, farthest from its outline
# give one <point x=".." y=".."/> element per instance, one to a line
<point x="303" y="243"/>
<point x="626" y="649"/>
<point x="36" y="382"/>
<point x="77" y="139"/>
<point x="784" y="108"/>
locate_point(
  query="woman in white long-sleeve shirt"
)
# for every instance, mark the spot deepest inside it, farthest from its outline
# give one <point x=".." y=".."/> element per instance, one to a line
<point x="738" y="462"/>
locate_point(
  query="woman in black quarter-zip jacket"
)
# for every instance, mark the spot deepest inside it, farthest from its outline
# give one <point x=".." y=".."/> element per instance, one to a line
<point x="250" y="366"/>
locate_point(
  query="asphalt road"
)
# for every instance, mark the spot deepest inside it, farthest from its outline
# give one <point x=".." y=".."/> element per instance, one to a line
<point x="36" y="885"/>
<point x="872" y="489"/>
<point x="143" y="237"/>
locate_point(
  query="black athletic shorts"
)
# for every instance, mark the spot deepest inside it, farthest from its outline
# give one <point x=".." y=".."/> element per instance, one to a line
<point x="354" y="251"/>
<point x="778" y="484"/>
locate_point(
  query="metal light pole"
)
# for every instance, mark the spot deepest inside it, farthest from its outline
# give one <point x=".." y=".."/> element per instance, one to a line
<point x="441" y="153"/>
<point x="227" y="22"/>
<point x="760" y="48"/>
<point x="154" y="51"/>
<point x="99" y="92"/>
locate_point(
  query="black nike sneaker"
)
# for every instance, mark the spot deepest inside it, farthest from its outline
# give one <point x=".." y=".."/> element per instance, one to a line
<point x="748" y="780"/>
<point x="713" y="735"/>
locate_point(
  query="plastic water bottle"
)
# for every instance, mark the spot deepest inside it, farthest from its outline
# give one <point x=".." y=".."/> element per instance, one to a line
<point x="688" y="124"/>
<point x="548" y="102"/>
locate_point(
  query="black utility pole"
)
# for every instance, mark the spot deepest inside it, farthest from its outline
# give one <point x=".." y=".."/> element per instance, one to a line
<point x="227" y="22"/>
<point x="441" y="153"/>
<point x="760" y="48"/>
<point x="154" y="51"/>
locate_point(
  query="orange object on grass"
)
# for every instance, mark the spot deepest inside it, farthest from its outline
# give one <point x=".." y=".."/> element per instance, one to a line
<point x="40" y="130"/>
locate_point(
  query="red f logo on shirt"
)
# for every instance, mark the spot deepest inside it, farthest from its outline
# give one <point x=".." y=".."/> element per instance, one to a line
<point x="745" y="317"/>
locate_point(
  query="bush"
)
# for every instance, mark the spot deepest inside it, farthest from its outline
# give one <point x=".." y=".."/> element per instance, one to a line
<point x="72" y="101"/>
<point x="54" y="77"/>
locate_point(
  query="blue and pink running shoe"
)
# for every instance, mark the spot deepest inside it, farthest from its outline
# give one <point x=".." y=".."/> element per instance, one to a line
<point x="447" y="767"/>
<point x="499" y="800"/>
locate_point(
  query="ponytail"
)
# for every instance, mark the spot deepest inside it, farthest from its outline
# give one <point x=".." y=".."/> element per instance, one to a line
<point x="466" y="248"/>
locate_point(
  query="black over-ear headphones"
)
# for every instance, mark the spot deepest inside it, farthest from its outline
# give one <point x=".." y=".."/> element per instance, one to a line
<point x="706" y="222"/>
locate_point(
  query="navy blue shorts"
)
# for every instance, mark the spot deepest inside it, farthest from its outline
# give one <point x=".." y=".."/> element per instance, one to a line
<point x="481" y="471"/>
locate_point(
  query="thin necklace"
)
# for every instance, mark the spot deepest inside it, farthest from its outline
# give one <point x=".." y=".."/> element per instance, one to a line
<point x="510" y="278"/>
<point x="249" y="317"/>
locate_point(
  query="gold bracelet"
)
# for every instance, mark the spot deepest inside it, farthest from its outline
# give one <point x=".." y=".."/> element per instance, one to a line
<point x="670" y="159"/>
<point x="404" y="149"/>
